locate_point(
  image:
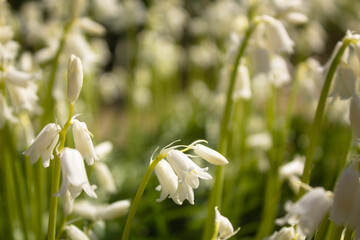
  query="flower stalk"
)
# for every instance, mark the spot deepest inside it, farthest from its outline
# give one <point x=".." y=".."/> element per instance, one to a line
<point x="216" y="193"/>
<point x="316" y="126"/>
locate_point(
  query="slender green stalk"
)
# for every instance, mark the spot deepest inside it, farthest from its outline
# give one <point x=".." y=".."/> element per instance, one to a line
<point x="139" y="193"/>
<point x="321" y="232"/>
<point x="61" y="229"/>
<point x="316" y="126"/>
<point x="334" y="232"/>
<point x="216" y="193"/>
<point x="348" y="234"/>
<point x="56" y="178"/>
<point x="48" y="102"/>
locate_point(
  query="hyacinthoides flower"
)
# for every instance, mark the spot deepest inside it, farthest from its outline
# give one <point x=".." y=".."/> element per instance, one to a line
<point x="177" y="173"/>
<point x="67" y="160"/>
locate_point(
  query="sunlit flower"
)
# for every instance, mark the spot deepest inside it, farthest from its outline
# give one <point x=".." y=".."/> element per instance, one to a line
<point x="308" y="211"/>
<point x="74" y="233"/>
<point x="106" y="180"/>
<point x="83" y="143"/>
<point x="286" y="233"/>
<point x="68" y="204"/>
<point x="114" y="210"/>
<point x="74" y="176"/>
<point x="5" y="112"/>
<point x="226" y="230"/>
<point x="44" y="144"/>
<point x="167" y="178"/>
<point x="210" y="155"/>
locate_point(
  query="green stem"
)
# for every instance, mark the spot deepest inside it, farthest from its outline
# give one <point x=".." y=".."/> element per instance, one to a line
<point x="315" y="128"/>
<point x="216" y="192"/>
<point x="348" y="234"/>
<point x="61" y="229"/>
<point x="56" y="178"/>
<point x="321" y="232"/>
<point x="139" y="193"/>
<point x="48" y="102"/>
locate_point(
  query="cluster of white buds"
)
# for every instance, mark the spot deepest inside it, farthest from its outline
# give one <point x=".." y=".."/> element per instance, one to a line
<point x="179" y="175"/>
<point x="71" y="160"/>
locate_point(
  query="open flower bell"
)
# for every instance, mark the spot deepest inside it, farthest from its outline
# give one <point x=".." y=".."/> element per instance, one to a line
<point x="74" y="176"/>
<point x="226" y="230"/>
<point x="44" y="144"/>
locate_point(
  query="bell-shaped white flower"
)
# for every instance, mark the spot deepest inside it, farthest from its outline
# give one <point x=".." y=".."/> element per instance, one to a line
<point x="74" y="176"/>
<point x="186" y="169"/>
<point x="44" y="144"/>
<point x="74" y="233"/>
<point x="276" y="35"/>
<point x="188" y="173"/>
<point x="85" y="210"/>
<point x="91" y="27"/>
<point x="347" y="197"/>
<point x="308" y="211"/>
<point x="242" y="84"/>
<point x="75" y="78"/>
<point x="226" y="230"/>
<point x="210" y="155"/>
<point x="292" y="171"/>
<point x="344" y="86"/>
<point x="83" y="143"/>
<point x="113" y="210"/>
<point x="167" y="178"/>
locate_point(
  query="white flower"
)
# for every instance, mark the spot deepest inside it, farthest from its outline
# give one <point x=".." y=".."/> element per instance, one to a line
<point x="226" y="230"/>
<point x="44" y="144"/>
<point x="346" y="197"/>
<point x="292" y="172"/>
<point x="286" y="233"/>
<point x="188" y="173"/>
<point x="261" y="141"/>
<point x="344" y="86"/>
<point x="277" y="36"/>
<point x="279" y="74"/>
<point x="167" y="178"/>
<point x="91" y="27"/>
<point x="308" y="211"/>
<point x="83" y="141"/>
<point x="113" y="210"/>
<point x="5" y="112"/>
<point x="103" y="149"/>
<point x="19" y="78"/>
<point x="242" y="85"/>
<point x="74" y="233"/>
<point x="210" y="155"/>
<point x="85" y="209"/>
<point x="74" y="176"/>
<point x="23" y="97"/>
<point x="105" y="178"/>
<point x="75" y="78"/>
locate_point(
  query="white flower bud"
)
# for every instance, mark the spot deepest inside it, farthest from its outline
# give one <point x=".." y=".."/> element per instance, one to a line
<point x="74" y="176"/>
<point x="68" y="204"/>
<point x="44" y="144"/>
<point x="83" y="143"/>
<point x="167" y="178"/>
<point x="210" y="155"/>
<point x="103" y="149"/>
<point x="19" y="78"/>
<point x="242" y="84"/>
<point x="74" y="233"/>
<point x="91" y="27"/>
<point x="113" y="210"/>
<point x="75" y="78"/>
<point x="286" y="233"/>
<point x="105" y="178"/>
<point x="85" y="209"/>
<point x="226" y="230"/>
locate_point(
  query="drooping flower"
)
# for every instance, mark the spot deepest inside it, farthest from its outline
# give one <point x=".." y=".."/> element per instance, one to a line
<point x="114" y="210"/>
<point x="167" y="178"/>
<point x="106" y="180"/>
<point x="74" y="176"/>
<point x="308" y="212"/>
<point x="286" y="233"/>
<point x="188" y="173"/>
<point x="226" y="230"/>
<point x="44" y="144"/>
<point x="83" y="143"/>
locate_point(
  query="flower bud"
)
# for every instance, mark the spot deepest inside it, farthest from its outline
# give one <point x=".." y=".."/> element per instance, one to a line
<point x="75" y="78"/>
<point x="75" y="233"/>
<point x="210" y="155"/>
<point x="113" y="210"/>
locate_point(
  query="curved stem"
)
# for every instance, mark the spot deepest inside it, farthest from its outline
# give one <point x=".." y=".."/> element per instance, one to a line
<point x="56" y="178"/>
<point x="139" y="193"/>
<point x="216" y="192"/>
<point x="315" y="128"/>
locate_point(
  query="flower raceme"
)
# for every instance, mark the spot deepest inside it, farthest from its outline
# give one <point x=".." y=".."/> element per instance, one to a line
<point x="178" y="175"/>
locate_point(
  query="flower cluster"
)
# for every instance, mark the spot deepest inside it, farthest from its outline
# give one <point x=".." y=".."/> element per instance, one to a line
<point x="179" y="175"/>
<point x="52" y="135"/>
